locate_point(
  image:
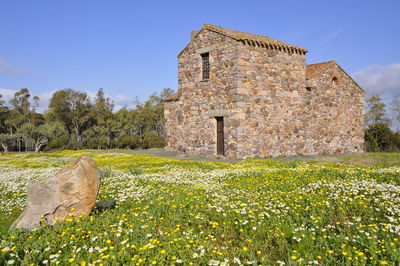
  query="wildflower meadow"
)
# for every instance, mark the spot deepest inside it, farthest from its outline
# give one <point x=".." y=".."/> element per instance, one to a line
<point x="179" y="212"/>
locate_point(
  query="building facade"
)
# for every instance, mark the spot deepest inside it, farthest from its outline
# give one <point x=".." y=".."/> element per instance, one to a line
<point x="245" y="95"/>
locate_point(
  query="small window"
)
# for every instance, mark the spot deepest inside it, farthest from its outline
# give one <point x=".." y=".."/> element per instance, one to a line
<point x="206" y="66"/>
<point x="308" y="88"/>
<point x="334" y="81"/>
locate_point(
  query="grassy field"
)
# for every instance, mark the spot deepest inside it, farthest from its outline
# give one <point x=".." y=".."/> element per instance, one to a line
<point x="172" y="212"/>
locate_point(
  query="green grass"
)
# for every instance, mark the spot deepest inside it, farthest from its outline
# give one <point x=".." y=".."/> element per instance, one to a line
<point x="171" y="211"/>
<point x="367" y="159"/>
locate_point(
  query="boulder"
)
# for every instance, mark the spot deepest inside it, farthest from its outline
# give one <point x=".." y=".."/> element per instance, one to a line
<point x="71" y="192"/>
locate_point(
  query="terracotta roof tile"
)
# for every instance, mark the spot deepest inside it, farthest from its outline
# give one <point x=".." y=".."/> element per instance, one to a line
<point x="172" y="97"/>
<point x="250" y="39"/>
<point x="314" y="69"/>
<point x="253" y="38"/>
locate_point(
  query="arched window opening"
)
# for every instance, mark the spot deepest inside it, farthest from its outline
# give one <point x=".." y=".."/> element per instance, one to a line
<point x="334" y="81"/>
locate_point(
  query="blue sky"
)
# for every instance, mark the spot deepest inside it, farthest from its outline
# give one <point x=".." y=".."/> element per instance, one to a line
<point x="130" y="48"/>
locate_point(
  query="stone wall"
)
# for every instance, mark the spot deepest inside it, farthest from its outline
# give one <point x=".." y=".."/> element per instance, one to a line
<point x="334" y="113"/>
<point x="190" y="122"/>
<point x="269" y="94"/>
<point x="262" y="95"/>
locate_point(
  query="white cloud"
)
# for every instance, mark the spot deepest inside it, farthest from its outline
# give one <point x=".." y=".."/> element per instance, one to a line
<point x="44" y="97"/>
<point x="9" y="68"/>
<point x="380" y="79"/>
<point x="7" y="93"/>
<point x="121" y="100"/>
<point x="5" y="67"/>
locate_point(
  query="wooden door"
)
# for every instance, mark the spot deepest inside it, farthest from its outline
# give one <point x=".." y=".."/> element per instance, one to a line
<point x="220" y="135"/>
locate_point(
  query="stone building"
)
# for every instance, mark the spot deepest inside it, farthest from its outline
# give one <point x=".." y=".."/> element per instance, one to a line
<point x="245" y="95"/>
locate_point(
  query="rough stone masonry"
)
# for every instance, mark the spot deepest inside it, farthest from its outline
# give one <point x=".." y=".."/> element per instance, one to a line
<point x="269" y="101"/>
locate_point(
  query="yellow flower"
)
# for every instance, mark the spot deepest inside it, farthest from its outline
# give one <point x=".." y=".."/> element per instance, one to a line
<point x="83" y="263"/>
<point x="258" y="252"/>
<point x="163" y="251"/>
<point x="245" y="248"/>
<point x="71" y="260"/>
<point x="293" y="257"/>
<point x="154" y="262"/>
<point x="108" y="241"/>
<point x="330" y="251"/>
<point x="383" y="262"/>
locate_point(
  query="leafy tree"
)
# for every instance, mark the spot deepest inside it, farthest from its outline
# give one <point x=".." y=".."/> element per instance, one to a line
<point x="6" y="140"/>
<point x="151" y="114"/>
<point x="124" y="119"/>
<point x="82" y="124"/>
<point x="38" y="136"/>
<point x="376" y="112"/>
<point x="383" y="136"/>
<point x="3" y="115"/>
<point x="22" y="111"/>
<point x="371" y="145"/>
<point x="104" y="125"/>
<point x="72" y="108"/>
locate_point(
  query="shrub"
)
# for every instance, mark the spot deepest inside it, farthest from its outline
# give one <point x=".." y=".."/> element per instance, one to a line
<point x="152" y="140"/>
<point x="74" y="144"/>
<point x="57" y="143"/>
<point x="96" y="143"/>
<point x="370" y="142"/>
<point x="126" y="142"/>
<point x="396" y="140"/>
<point x="384" y="137"/>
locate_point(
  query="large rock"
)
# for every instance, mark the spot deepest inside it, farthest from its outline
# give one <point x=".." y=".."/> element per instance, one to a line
<point x="72" y="191"/>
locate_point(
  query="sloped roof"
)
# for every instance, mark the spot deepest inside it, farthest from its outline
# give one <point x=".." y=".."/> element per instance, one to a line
<point x="251" y="39"/>
<point x="314" y="69"/>
<point x="172" y="97"/>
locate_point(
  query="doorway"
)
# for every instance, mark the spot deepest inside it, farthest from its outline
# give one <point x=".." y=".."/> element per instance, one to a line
<point x="220" y="135"/>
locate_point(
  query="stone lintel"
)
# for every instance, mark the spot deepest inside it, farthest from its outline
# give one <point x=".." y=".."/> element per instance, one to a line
<point x="206" y="49"/>
<point x="310" y="83"/>
<point x="219" y="112"/>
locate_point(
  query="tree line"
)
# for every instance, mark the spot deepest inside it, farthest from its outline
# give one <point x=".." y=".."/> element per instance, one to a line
<point x="73" y="121"/>
<point x="382" y="133"/>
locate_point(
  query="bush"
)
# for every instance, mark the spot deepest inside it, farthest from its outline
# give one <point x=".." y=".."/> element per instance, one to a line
<point x="57" y="143"/>
<point x="126" y="142"/>
<point x="74" y="144"/>
<point x="386" y="140"/>
<point x="396" y="140"/>
<point x="96" y="143"/>
<point x="370" y="142"/>
<point x="152" y="140"/>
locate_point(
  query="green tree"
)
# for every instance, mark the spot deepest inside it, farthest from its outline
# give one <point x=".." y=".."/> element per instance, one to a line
<point x="376" y="112"/>
<point x="7" y="139"/>
<point x="3" y="115"/>
<point x="22" y="111"/>
<point x="104" y="125"/>
<point x="38" y="136"/>
<point x="73" y="109"/>
<point x="124" y="119"/>
<point x="383" y="136"/>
